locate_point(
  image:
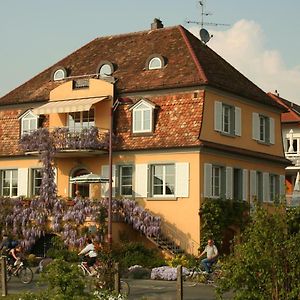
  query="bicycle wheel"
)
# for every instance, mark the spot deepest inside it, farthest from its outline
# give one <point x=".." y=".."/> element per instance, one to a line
<point x="124" y="288"/>
<point x="25" y="274"/>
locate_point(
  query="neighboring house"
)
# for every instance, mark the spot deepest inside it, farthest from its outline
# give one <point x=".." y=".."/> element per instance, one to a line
<point x="290" y="122"/>
<point x="188" y="126"/>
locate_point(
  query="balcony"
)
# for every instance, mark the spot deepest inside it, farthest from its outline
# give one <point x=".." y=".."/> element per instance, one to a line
<point x="66" y="143"/>
<point x="293" y="156"/>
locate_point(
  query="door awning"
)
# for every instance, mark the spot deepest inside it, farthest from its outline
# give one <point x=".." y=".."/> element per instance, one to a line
<point x="66" y="106"/>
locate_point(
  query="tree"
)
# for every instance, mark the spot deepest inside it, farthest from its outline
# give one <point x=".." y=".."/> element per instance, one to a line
<point x="266" y="264"/>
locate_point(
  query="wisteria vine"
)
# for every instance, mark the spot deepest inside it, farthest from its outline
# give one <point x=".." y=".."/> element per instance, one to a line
<point x="50" y="214"/>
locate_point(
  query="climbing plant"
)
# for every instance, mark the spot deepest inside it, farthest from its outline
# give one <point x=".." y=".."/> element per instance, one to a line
<point x="217" y="215"/>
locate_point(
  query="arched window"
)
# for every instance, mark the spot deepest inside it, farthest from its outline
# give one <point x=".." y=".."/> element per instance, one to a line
<point x="155" y="61"/>
<point x="59" y="74"/>
<point x="105" y="69"/>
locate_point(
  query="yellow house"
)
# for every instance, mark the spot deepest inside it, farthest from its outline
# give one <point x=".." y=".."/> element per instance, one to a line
<point x="186" y="125"/>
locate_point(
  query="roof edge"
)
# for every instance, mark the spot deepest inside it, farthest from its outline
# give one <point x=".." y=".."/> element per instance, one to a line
<point x="191" y="50"/>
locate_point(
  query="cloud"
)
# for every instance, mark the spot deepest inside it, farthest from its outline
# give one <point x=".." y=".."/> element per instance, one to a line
<point x="243" y="47"/>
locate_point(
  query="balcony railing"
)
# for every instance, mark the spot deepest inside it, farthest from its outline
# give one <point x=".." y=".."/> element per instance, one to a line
<point x="293" y="200"/>
<point x="64" y="139"/>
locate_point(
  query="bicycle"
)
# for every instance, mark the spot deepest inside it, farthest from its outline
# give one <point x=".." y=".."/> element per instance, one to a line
<point x="198" y="274"/>
<point x="21" y="271"/>
<point x="97" y="272"/>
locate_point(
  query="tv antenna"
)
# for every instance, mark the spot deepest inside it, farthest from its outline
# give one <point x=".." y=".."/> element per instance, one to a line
<point x="204" y="34"/>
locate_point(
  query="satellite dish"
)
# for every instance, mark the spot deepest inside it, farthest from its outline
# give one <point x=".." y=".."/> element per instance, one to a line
<point x="204" y="35"/>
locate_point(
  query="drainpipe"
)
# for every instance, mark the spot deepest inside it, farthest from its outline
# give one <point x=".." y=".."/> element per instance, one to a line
<point x="110" y="180"/>
<point x="112" y="110"/>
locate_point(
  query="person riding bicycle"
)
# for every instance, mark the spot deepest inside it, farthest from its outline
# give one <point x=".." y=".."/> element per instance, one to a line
<point x="14" y="255"/>
<point x="212" y="254"/>
<point x="90" y="252"/>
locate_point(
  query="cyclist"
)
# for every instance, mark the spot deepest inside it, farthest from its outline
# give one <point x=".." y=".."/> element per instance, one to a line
<point x="14" y="255"/>
<point x="212" y="254"/>
<point x="90" y="252"/>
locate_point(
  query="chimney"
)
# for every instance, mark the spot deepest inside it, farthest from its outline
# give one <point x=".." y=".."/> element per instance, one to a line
<point x="157" y="23"/>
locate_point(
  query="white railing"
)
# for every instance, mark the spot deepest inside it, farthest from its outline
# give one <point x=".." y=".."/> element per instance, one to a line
<point x="292" y="200"/>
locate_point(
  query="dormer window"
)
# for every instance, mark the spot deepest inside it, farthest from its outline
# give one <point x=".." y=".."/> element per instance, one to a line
<point x="105" y="69"/>
<point x="29" y="123"/>
<point x="142" y="117"/>
<point x="155" y="62"/>
<point x="59" y="74"/>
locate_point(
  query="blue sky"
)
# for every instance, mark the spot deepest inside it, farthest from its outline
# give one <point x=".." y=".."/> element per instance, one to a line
<point x="262" y="40"/>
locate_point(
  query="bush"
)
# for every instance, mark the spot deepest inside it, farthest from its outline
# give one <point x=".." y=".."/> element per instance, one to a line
<point x="130" y="254"/>
<point x="184" y="260"/>
<point x="266" y="265"/>
<point x="60" y="251"/>
<point x="64" y="281"/>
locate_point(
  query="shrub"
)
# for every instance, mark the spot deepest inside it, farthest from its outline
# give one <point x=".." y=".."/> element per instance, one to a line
<point x="64" y="281"/>
<point x="130" y="254"/>
<point x="59" y="250"/>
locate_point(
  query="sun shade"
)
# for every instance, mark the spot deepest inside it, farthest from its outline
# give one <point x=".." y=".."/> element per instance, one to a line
<point x="66" y="106"/>
<point x="89" y="178"/>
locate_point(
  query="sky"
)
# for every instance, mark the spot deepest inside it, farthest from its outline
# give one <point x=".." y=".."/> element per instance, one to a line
<point x="262" y="39"/>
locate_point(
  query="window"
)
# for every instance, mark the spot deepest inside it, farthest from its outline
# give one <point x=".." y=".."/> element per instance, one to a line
<point x="37" y="176"/>
<point x="292" y="146"/>
<point x="154" y="62"/>
<point x="237" y="184"/>
<point x="80" y="120"/>
<point x="274" y="187"/>
<point x="142" y="117"/>
<point x="263" y="128"/>
<point x="163" y="180"/>
<point x="29" y="123"/>
<point x="216" y="181"/>
<point x="126" y="180"/>
<point x="227" y="119"/>
<point x="9" y="183"/>
<point x="59" y="74"/>
<point x="259" y="186"/>
<point x="105" y="69"/>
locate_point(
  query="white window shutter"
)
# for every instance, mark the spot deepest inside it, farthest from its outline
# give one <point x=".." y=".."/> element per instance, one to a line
<point x="218" y="116"/>
<point x="282" y="186"/>
<point x="207" y="180"/>
<point x="23" y="182"/>
<point x="272" y="131"/>
<point x="253" y="189"/>
<point x="141" y="180"/>
<point x="237" y="121"/>
<point x="245" y="184"/>
<point x="266" y="187"/>
<point x="255" y="126"/>
<point x="182" y="180"/>
<point x="55" y="175"/>
<point x="104" y="186"/>
<point x="229" y="182"/>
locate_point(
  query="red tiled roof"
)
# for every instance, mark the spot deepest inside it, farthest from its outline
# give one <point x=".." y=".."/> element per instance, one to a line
<point x="189" y="63"/>
<point x="292" y="113"/>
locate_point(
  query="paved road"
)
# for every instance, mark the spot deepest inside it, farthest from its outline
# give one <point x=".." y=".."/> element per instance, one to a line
<point x="141" y="289"/>
<point x="166" y="290"/>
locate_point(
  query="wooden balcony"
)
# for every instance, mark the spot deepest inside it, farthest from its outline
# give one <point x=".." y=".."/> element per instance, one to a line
<point x="67" y="143"/>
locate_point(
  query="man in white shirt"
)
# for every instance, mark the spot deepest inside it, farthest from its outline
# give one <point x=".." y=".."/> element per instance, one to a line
<point x="212" y="253"/>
